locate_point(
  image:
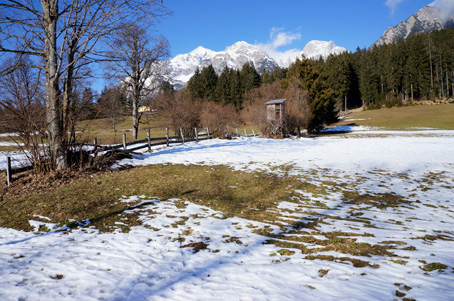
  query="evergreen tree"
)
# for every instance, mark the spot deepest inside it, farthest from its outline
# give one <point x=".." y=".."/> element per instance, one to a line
<point x="266" y="77"/>
<point x="194" y="85"/>
<point x="249" y="78"/>
<point x="236" y="91"/>
<point x="222" y="91"/>
<point x="321" y="97"/>
<point x="202" y="84"/>
<point x="208" y="80"/>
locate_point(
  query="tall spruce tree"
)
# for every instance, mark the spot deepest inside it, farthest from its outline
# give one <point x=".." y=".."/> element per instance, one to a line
<point x="249" y="77"/>
<point x="222" y="91"/>
<point x="321" y="98"/>
<point x="208" y="81"/>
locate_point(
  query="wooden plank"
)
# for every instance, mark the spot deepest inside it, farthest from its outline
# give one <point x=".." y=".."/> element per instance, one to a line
<point x="148" y="139"/>
<point x="9" y="171"/>
<point x="22" y="169"/>
<point x="145" y="145"/>
<point x="182" y="136"/>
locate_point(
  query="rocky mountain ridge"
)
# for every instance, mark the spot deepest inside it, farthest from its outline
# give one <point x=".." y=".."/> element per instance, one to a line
<point x="427" y="19"/>
<point x="183" y="66"/>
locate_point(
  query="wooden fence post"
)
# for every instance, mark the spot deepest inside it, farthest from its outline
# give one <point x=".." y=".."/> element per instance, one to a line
<point x="9" y="171"/>
<point x="124" y="141"/>
<point x="196" y="135"/>
<point x="148" y="138"/>
<point x="167" y="137"/>
<point x="182" y="136"/>
<point x="208" y="132"/>
<point x="95" y="142"/>
<point x="245" y="132"/>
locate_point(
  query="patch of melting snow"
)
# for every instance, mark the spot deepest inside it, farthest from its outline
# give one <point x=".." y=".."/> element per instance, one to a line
<point x="185" y="251"/>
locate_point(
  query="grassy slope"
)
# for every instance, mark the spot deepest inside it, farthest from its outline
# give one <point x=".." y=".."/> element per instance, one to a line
<point x="102" y="129"/>
<point x="404" y="118"/>
<point x="96" y="197"/>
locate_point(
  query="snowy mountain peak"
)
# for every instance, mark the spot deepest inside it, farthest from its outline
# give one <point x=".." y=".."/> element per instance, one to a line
<point x="427" y="19"/>
<point x="429" y="14"/>
<point x="203" y="52"/>
<point x="239" y="45"/>
<point x="183" y="66"/>
<point x="316" y="49"/>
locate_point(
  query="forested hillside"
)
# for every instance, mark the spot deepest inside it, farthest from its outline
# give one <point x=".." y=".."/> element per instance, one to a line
<point x="419" y="68"/>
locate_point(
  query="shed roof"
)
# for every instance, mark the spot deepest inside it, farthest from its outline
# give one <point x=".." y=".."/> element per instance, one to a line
<point x="276" y="101"/>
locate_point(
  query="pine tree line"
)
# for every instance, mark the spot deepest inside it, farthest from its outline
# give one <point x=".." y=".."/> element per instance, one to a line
<point x="228" y="88"/>
<point x="419" y="68"/>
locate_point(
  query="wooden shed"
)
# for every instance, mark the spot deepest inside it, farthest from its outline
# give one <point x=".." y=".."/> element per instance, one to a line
<point x="275" y="111"/>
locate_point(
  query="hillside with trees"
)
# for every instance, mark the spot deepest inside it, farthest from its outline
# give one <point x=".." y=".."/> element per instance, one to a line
<point x="420" y="68"/>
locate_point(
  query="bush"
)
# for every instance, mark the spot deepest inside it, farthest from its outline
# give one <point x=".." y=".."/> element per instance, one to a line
<point x="218" y="118"/>
<point x="254" y="111"/>
<point x="179" y="112"/>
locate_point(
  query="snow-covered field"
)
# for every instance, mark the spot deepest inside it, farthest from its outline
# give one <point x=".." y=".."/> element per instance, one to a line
<point x="184" y="251"/>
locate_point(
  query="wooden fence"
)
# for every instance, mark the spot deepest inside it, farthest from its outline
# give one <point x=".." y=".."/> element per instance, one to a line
<point x="134" y="145"/>
<point x="150" y="142"/>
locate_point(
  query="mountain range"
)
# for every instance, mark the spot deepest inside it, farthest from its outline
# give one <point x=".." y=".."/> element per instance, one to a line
<point x="183" y="66"/>
<point x="427" y="19"/>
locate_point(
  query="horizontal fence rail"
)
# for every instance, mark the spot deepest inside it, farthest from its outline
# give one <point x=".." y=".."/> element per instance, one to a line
<point x="150" y="142"/>
<point x="136" y="145"/>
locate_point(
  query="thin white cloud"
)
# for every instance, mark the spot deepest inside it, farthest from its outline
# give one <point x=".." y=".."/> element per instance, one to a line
<point x="446" y="7"/>
<point x="278" y="39"/>
<point x="392" y="5"/>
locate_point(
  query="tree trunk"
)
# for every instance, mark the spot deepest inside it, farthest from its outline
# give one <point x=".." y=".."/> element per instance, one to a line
<point x="67" y="123"/>
<point x="135" y="118"/>
<point x="53" y="94"/>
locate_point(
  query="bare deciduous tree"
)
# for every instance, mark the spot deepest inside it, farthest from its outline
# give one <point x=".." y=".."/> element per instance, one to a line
<point x="63" y="35"/>
<point x="298" y="111"/>
<point x="179" y="111"/>
<point x="112" y="104"/>
<point x="254" y="104"/>
<point x="218" y="118"/>
<point x="23" y="107"/>
<point x="136" y="60"/>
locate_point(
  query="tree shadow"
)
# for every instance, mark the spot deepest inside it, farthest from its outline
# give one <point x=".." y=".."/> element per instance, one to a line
<point x="340" y="129"/>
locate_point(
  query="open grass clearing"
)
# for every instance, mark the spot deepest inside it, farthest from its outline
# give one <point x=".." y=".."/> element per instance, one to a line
<point x="439" y="116"/>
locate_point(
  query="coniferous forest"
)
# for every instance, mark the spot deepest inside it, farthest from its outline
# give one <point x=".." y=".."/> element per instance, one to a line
<point x="419" y="68"/>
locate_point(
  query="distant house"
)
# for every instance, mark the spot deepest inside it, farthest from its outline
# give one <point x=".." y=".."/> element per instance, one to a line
<point x="144" y="109"/>
<point x="275" y="112"/>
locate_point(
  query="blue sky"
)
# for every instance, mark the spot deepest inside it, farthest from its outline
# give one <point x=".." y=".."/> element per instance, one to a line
<point x="283" y="24"/>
